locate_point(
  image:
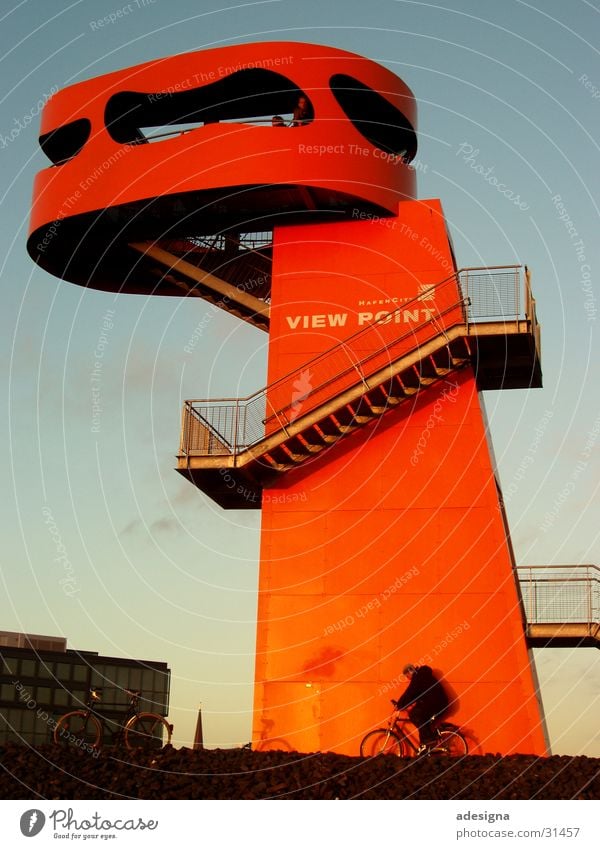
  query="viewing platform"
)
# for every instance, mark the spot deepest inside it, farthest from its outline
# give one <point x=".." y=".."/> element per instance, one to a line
<point x="195" y="147"/>
<point x="562" y="605"/>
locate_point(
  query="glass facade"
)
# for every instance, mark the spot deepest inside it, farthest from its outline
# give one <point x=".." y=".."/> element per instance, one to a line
<point x="37" y="687"/>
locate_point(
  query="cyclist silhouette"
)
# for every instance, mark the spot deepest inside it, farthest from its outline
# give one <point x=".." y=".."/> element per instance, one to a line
<point x="427" y="699"/>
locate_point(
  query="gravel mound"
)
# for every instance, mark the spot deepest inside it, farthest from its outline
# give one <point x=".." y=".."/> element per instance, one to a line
<point x="49" y="772"/>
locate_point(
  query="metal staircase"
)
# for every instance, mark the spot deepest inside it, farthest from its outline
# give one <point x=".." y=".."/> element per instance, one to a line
<point x="231" y="272"/>
<point x="231" y="448"/>
<point x="244" y="260"/>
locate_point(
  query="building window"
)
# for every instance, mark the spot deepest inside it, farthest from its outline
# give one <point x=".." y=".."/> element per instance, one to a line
<point x="63" y="671"/>
<point x="122" y="677"/>
<point x="79" y="672"/>
<point x="61" y="697"/>
<point x="79" y="698"/>
<point x="28" y="668"/>
<point x="26" y="721"/>
<point x="147" y="682"/>
<point x="43" y="695"/>
<point x="7" y="692"/>
<point x="135" y="679"/>
<point x="6" y="666"/>
<point x="46" y="670"/>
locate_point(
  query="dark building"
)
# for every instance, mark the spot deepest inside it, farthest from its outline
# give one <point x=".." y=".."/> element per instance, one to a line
<point x="40" y="679"/>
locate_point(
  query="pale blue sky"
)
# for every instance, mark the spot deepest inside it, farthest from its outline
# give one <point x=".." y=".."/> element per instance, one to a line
<point x="161" y="572"/>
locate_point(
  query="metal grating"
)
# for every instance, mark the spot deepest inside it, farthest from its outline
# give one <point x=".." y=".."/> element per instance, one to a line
<point x="561" y="594"/>
<point x="493" y="293"/>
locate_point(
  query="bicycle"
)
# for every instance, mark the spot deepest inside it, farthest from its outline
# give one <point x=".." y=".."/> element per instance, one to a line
<point x="395" y="740"/>
<point x="84" y="729"/>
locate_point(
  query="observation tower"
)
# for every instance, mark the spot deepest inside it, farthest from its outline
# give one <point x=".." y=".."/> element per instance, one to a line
<point x="384" y="538"/>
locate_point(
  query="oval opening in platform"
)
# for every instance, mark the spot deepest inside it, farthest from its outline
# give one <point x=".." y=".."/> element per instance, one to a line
<point x="253" y="95"/>
<point x="375" y="118"/>
<point x="65" y="142"/>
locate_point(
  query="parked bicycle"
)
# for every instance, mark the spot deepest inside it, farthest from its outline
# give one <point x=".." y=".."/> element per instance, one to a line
<point x="84" y="729"/>
<point x="399" y="739"/>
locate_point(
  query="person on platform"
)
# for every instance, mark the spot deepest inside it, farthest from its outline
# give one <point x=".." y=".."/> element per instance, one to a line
<point x="427" y="699"/>
<point x="303" y="113"/>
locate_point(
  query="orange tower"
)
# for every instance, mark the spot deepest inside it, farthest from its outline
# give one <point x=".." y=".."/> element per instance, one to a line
<point x="384" y="538"/>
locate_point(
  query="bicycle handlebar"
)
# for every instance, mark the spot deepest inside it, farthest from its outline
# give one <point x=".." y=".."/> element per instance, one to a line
<point x="95" y="695"/>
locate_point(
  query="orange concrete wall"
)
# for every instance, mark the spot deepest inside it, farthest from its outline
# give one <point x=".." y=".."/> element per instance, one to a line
<point x="389" y="547"/>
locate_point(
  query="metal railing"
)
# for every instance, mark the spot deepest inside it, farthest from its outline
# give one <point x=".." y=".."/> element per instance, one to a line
<point x="239" y="242"/>
<point x="241" y="259"/>
<point x="494" y="292"/>
<point x="228" y="425"/>
<point x="248" y="122"/>
<point x="561" y="594"/>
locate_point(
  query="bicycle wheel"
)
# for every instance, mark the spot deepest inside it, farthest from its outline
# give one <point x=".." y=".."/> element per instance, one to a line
<point x="147" y="731"/>
<point x="78" y="729"/>
<point x="381" y="742"/>
<point x="451" y="742"/>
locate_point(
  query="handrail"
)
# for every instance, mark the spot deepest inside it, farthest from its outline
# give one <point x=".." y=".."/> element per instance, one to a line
<point x="560" y="566"/>
<point x="372" y="354"/>
<point x="255" y="122"/>
<point x="382" y="320"/>
<point x="265" y="404"/>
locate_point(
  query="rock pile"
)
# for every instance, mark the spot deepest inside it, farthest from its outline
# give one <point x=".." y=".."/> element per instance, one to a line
<point x="53" y="773"/>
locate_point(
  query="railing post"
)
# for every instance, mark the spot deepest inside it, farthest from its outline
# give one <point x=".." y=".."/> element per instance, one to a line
<point x="235" y="426"/>
<point x="589" y="599"/>
<point x="184" y="429"/>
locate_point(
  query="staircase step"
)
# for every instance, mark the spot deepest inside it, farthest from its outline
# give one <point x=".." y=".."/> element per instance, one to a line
<point x="375" y="409"/>
<point x="439" y="363"/>
<point x="299" y="446"/>
<point x="349" y="415"/>
<point x="317" y="433"/>
<point x="417" y="376"/>
<point x="443" y="360"/>
<point x="410" y="380"/>
<point x="344" y="416"/>
<point x="281" y="454"/>
<point x="386" y="391"/>
<point x="342" y="427"/>
<point x="406" y="390"/>
<point x="330" y="427"/>
<point x="273" y="464"/>
<point x="346" y="429"/>
<point x="428" y="368"/>
<point x="460" y="348"/>
<point x="382" y="395"/>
